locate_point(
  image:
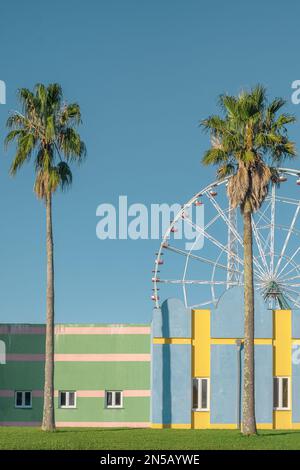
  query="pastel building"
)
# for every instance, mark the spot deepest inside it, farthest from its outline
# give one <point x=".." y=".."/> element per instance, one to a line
<point x="185" y="370"/>
<point x="102" y="375"/>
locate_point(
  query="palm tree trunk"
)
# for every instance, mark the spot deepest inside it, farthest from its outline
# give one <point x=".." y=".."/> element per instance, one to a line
<point x="48" y="413"/>
<point x="248" y="423"/>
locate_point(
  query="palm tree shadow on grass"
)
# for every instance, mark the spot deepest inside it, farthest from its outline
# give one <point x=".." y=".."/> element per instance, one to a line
<point x="279" y="433"/>
<point x="98" y="430"/>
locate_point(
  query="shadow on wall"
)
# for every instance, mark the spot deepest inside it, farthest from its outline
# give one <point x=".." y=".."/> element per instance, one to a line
<point x="171" y="365"/>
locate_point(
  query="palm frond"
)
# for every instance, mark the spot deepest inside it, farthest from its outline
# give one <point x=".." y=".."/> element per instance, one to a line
<point x="246" y="140"/>
<point x="46" y="128"/>
<point x="214" y="156"/>
<point x="71" y="145"/>
<point x="26" y="145"/>
<point x="12" y="135"/>
<point x="71" y="115"/>
<point x="226" y="170"/>
<point x="65" y="175"/>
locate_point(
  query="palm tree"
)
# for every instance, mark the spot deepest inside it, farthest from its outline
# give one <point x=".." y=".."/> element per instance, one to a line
<point x="45" y="129"/>
<point x="248" y="141"/>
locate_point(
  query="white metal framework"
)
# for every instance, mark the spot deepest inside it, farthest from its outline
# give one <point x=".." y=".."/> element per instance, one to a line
<point x="205" y="274"/>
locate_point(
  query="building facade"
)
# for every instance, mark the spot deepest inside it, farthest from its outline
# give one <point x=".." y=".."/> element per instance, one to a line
<point x="102" y="375"/>
<point x="185" y="370"/>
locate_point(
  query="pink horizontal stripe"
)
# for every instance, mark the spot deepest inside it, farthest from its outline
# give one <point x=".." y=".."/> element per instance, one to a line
<point x="7" y="393"/>
<point x="22" y="330"/>
<point x="90" y="393"/>
<point x="101" y="393"/>
<point x="101" y="424"/>
<point x="86" y="393"/>
<point x="81" y="357"/>
<point x="137" y="393"/>
<point x="38" y="393"/>
<point x="102" y="357"/>
<point x="76" y="330"/>
<point x="20" y="423"/>
<point x="102" y="330"/>
<point x="25" y="357"/>
<point x="11" y="393"/>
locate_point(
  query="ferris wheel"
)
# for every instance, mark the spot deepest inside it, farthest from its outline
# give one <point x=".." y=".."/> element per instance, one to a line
<point x="201" y="275"/>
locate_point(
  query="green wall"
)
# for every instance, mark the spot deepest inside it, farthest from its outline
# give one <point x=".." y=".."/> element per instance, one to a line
<point x="77" y="376"/>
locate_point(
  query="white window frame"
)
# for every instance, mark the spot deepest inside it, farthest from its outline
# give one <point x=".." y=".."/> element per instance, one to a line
<point x="280" y="407"/>
<point x="23" y="399"/>
<point x="113" y="405"/>
<point x="67" y="392"/>
<point x="199" y="380"/>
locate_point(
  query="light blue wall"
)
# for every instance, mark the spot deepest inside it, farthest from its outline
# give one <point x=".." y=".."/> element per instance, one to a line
<point x="296" y="324"/>
<point x="296" y="384"/>
<point x="223" y="384"/>
<point x="264" y="383"/>
<point x="173" y="320"/>
<point x="171" y="364"/>
<point x="227" y="320"/>
<point x="171" y="383"/>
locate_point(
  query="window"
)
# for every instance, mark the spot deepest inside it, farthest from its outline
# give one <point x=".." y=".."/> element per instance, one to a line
<point x="23" y="399"/>
<point x="201" y="394"/>
<point x="281" y="393"/>
<point x="114" y="399"/>
<point x="67" y="399"/>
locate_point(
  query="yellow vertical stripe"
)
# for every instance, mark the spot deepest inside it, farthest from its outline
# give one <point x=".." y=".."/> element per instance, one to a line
<point x="282" y="325"/>
<point x="201" y="359"/>
<point x="201" y="343"/>
<point x="282" y="334"/>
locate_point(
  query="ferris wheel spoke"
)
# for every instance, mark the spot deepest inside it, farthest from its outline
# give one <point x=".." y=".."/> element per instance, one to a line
<point x="272" y="229"/>
<point x="260" y="273"/>
<point x="259" y="246"/>
<point x="290" y="231"/>
<point x="226" y="219"/>
<point x="287" y="200"/>
<point x="267" y="243"/>
<point x="289" y="261"/>
<point x="295" y="266"/>
<point x="262" y="214"/>
<point x="284" y="228"/>
<point x="203" y="304"/>
<point x="199" y="258"/>
<point x="291" y="278"/>
<point x="196" y="281"/>
<point x="285" y="288"/>
<point x="265" y="240"/>
<point x="295" y="301"/>
<point x="225" y="248"/>
<point x="297" y="284"/>
<point x="214" y="241"/>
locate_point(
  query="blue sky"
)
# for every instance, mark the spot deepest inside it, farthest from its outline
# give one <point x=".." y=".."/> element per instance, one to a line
<point x="144" y="73"/>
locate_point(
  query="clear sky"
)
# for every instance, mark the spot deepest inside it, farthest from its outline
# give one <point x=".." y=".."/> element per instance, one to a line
<point x="144" y="73"/>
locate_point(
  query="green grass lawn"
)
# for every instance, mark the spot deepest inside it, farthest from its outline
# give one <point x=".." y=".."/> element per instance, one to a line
<point x="33" y="438"/>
